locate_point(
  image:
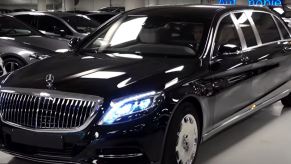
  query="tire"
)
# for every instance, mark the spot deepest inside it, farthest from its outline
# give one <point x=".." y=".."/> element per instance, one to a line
<point x="11" y="64"/>
<point x="286" y="101"/>
<point x="174" y="153"/>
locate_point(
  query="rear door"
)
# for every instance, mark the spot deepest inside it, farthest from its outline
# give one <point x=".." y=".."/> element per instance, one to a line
<point x="270" y="59"/>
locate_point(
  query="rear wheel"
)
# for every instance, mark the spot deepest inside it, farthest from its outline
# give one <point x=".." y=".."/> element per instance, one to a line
<point x="11" y="64"/>
<point x="286" y="101"/>
<point x="183" y="137"/>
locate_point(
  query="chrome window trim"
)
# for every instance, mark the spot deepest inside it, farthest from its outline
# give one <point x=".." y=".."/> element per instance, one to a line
<point x="255" y="30"/>
<point x="247" y="48"/>
<point x="278" y="28"/>
<point x="282" y="23"/>
<point x="215" y="34"/>
<point x="55" y="94"/>
<point x="239" y="31"/>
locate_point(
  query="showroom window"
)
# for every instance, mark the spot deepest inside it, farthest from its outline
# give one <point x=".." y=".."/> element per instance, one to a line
<point x="247" y="30"/>
<point x="227" y="34"/>
<point x="283" y="29"/>
<point x="266" y="27"/>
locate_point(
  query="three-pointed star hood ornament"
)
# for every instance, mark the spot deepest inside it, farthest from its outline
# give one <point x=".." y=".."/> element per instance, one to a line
<point x="49" y="80"/>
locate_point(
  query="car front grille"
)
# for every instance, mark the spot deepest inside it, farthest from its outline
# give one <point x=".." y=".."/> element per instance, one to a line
<point x="51" y="110"/>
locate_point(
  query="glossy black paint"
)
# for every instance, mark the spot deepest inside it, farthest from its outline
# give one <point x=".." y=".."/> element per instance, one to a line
<point x="218" y="85"/>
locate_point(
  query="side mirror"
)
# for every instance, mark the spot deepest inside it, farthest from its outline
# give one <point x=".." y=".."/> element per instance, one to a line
<point x="229" y="50"/>
<point x="62" y="33"/>
<point x="59" y="31"/>
<point x="74" y="42"/>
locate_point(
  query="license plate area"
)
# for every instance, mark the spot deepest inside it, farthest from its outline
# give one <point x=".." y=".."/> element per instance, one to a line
<point x="42" y="140"/>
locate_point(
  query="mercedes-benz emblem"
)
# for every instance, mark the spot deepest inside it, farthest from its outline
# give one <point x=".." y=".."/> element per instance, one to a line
<point x="49" y="80"/>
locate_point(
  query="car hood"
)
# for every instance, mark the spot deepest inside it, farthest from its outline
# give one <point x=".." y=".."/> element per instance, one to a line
<point x="105" y="75"/>
<point x="35" y="42"/>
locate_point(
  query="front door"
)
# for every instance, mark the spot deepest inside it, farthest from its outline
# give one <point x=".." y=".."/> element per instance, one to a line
<point x="231" y="71"/>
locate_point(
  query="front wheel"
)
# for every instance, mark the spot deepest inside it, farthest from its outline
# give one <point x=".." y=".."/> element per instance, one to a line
<point x="183" y="137"/>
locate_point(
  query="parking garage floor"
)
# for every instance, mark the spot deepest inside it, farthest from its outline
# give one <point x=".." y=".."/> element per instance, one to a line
<point x="264" y="138"/>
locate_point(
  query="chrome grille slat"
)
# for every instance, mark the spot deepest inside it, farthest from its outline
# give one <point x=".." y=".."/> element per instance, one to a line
<point x="15" y="108"/>
<point x="80" y="120"/>
<point x="38" y="112"/>
<point x="1" y="97"/>
<point x="5" y="97"/>
<point x="11" y="106"/>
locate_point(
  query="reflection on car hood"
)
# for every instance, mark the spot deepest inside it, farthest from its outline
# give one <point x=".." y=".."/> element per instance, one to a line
<point x="106" y="75"/>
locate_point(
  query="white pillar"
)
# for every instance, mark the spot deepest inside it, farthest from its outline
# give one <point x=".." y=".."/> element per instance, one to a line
<point x="68" y="5"/>
<point x="133" y="4"/>
<point x="41" y="5"/>
<point x="153" y="2"/>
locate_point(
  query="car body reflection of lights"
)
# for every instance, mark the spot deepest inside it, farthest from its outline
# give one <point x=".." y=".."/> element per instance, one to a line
<point x="123" y="83"/>
<point x="177" y="69"/>
<point x="87" y="57"/>
<point x="103" y="75"/>
<point x="44" y="94"/>
<point x="25" y="52"/>
<point x="62" y="50"/>
<point x="171" y="83"/>
<point x="7" y="38"/>
<point x="131" y="56"/>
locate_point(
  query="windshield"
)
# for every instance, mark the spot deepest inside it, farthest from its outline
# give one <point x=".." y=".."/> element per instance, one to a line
<point x="81" y="23"/>
<point x="151" y="34"/>
<point x="11" y="27"/>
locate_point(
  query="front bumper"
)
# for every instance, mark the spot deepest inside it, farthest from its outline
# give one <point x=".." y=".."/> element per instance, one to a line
<point x="141" y="140"/>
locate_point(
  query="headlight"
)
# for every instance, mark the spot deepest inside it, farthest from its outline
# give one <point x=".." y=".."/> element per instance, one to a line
<point x="129" y="108"/>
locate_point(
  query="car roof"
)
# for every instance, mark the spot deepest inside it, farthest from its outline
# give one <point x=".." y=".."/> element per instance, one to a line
<point x="57" y="14"/>
<point x="203" y="11"/>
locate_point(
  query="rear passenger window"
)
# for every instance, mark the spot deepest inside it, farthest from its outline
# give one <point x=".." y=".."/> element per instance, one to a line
<point x="266" y="27"/>
<point x="52" y="25"/>
<point x="28" y="19"/>
<point x="227" y="34"/>
<point x="283" y="29"/>
<point x="246" y="29"/>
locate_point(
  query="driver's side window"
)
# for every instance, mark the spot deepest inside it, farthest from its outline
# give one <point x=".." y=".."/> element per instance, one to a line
<point x="227" y="36"/>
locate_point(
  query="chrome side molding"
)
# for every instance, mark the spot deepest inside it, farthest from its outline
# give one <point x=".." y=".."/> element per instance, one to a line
<point x="269" y="99"/>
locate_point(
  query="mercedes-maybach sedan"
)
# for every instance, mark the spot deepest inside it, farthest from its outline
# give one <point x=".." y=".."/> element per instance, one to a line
<point x="152" y="83"/>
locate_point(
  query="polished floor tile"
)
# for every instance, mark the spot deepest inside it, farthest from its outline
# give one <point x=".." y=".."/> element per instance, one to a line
<point x="264" y="138"/>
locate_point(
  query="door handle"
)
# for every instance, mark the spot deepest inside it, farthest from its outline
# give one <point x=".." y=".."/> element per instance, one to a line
<point x="245" y="58"/>
<point x="287" y="49"/>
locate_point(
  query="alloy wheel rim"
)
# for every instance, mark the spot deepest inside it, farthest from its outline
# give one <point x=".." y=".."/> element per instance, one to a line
<point x="187" y="141"/>
<point x="11" y="66"/>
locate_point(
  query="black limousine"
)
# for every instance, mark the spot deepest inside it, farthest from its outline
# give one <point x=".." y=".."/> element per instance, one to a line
<point x="152" y="83"/>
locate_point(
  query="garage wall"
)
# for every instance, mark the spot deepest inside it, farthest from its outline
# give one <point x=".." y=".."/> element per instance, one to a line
<point x="97" y="4"/>
<point x="173" y="2"/>
<point x="28" y="4"/>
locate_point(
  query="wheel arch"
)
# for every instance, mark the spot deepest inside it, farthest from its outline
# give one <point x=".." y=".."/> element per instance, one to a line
<point x="12" y="55"/>
<point x="193" y="99"/>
